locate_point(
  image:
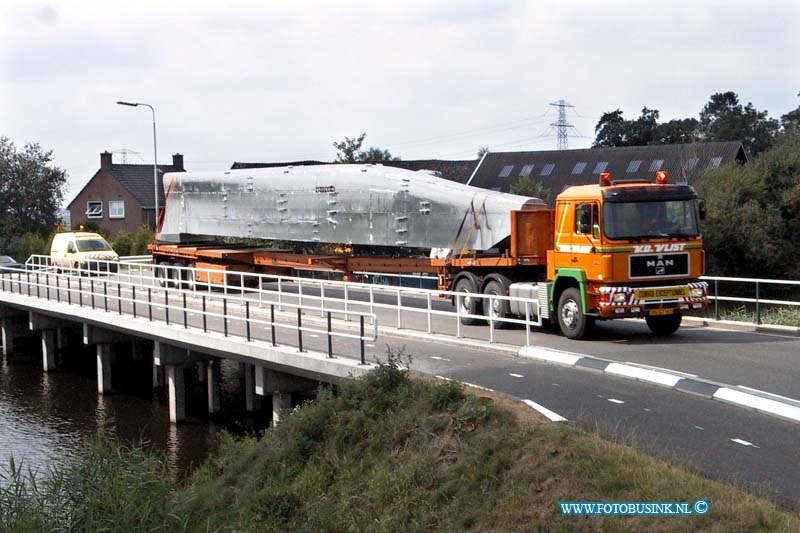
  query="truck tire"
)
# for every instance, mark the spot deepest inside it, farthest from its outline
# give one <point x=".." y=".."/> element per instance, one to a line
<point x="663" y="325"/>
<point x="191" y="278"/>
<point x="468" y="303"/>
<point x="497" y="308"/>
<point x="176" y="276"/>
<point x="161" y="273"/>
<point x="573" y="322"/>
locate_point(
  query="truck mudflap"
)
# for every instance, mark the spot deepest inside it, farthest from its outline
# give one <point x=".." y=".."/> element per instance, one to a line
<point x="621" y="301"/>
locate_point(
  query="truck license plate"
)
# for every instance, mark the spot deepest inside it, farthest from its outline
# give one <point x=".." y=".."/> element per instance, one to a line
<point x="661" y="312"/>
<point x="663" y="292"/>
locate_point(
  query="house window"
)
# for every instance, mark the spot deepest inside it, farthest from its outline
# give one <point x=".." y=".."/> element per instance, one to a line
<point x="691" y="163"/>
<point x="633" y="166"/>
<point x="94" y="209"/>
<point x="578" y="168"/>
<point x="506" y="172"/>
<point x="714" y="163"/>
<point x="116" y="209"/>
<point x="526" y="171"/>
<point x="656" y="165"/>
<point x="600" y="167"/>
<point x="547" y="169"/>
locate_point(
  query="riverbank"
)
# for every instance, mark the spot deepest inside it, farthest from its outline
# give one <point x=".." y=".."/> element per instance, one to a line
<point x="388" y="453"/>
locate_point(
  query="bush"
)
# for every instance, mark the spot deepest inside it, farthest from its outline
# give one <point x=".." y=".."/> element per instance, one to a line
<point x="143" y="236"/>
<point x="123" y="243"/>
<point x="31" y="244"/>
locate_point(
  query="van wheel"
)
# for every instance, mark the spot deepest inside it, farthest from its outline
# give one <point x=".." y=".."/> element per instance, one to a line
<point x="573" y="322"/>
<point x="466" y="301"/>
<point x="497" y="308"/>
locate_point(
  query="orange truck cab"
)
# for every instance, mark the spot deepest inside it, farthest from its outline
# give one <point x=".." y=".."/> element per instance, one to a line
<point x="626" y="249"/>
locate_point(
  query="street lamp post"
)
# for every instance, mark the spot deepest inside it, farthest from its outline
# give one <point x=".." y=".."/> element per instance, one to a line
<point x="155" y="151"/>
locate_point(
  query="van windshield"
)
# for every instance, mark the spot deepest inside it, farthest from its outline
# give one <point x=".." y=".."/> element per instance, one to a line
<point x="92" y="245"/>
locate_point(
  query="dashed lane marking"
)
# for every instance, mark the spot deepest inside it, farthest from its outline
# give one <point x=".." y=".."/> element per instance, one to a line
<point x="614" y="400"/>
<point x="553" y="417"/>
<point x="744" y="442"/>
<point x="439" y="358"/>
<point x="700" y="428"/>
<point x="516" y="375"/>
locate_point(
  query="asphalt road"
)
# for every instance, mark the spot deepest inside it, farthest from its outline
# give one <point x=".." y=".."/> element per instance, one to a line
<point x="721" y="441"/>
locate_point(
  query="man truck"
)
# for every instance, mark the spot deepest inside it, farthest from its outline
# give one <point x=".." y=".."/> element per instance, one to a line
<point x="608" y="250"/>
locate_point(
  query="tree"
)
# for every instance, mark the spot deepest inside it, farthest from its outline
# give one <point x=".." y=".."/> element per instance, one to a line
<point x="611" y="130"/>
<point x="31" y="190"/>
<point x="724" y="119"/>
<point x="677" y="131"/>
<point x="754" y="214"/>
<point x="791" y="121"/>
<point x="525" y="186"/>
<point x="349" y="151"/>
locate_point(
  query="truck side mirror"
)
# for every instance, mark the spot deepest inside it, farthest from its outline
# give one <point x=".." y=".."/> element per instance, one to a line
<point x="596" y="231"/>
<point x="701" y="208"/>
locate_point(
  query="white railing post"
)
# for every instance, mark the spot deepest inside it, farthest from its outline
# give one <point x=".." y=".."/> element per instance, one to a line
<point x="458" y="316"/>
<point x="372" y="301"/>
<point x="321" y="298"/>
<point x="428" y="294"/>
<point x="527" y="323"/>
<point x="399" y="310"/>
<point x="346" y="303"/>
<point x="491" y="318"/>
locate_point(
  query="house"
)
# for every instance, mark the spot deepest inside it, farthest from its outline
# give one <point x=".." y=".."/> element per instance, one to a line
<point x="120" y="196"/>
<point x="557" y="169"/>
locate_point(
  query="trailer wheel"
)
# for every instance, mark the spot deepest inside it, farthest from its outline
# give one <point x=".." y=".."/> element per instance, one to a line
<point x="571" y="318"/>
<point x="468" y="303"/>
<point x="191" y="278"/>
<point x="663" y="325"/>
<point x="497" y="308"/>
<point x="176" y="275"/>
<point x="161" y="273"/>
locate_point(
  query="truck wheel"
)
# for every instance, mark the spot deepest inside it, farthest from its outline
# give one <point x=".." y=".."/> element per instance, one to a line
<point x="191" y="278"/>
<point x="496" y="308"/>
<point x="161" y="273"/>
<point x="468" y="303"/>
<point x="175" y="276"/>
<point x="663" y="325"/>
<point x="571" y="318"/>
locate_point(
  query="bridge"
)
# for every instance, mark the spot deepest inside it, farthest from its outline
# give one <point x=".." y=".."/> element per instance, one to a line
<point x="177" y="327"/>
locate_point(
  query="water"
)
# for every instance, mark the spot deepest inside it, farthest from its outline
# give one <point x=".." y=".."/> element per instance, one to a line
<point x="45" y="416"/>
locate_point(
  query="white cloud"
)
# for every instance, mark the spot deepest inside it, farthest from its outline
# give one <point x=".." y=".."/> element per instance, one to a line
<point x="282" y="80"/>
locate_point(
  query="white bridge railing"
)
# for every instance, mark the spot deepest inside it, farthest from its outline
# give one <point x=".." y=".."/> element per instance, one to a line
<point x="349" y="299"/>
<point x="131" y="289"/>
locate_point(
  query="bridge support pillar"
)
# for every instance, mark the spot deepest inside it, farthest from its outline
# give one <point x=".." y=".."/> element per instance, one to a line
<point x="212" y="385"/>
<point x="104" y="368"/>
<point x="251" y="401"/>
<point x="281" y="404"/>
<point x="7" y="332"/>
<point x="280" y="386"/>
<point x="201" y="371"/>
<point x="176" y="393"/>
<point x="48" y="350"/>
<point x="158" y="376"/>
<point x="61" y="340"/>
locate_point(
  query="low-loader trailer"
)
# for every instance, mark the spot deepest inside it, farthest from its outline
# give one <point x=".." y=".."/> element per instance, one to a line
<point x="609" y="250"/>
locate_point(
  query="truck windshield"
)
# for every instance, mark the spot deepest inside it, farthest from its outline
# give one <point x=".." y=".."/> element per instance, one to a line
<point x="92" y="245"/>
<point x="641" y="220"/>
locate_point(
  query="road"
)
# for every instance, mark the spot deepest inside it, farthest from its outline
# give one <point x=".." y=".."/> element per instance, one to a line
<point x="719" y="440"/>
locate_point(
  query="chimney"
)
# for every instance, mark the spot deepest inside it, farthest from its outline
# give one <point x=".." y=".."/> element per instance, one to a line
<point x="177" y="161"/>
<point x="105" y="160"/>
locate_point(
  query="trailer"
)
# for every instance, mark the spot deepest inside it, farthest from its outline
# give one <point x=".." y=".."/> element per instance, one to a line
<point x="610" y="250"/>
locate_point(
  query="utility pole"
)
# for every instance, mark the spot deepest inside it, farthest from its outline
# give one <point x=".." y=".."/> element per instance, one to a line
<point x="562" y="125"/>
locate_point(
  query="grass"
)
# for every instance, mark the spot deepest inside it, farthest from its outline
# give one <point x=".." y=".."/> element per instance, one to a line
<point x="388" y="452"/>
<point x="770" y="314"/>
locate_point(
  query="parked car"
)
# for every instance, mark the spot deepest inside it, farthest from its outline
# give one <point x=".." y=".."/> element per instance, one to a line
<point x="9" y="263"/>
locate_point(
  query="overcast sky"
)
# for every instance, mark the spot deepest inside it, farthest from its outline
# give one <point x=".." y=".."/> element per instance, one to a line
<point x="282" y="80"/>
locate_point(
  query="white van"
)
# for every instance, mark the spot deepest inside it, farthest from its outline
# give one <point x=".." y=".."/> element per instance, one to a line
<point x="82" y="250"/>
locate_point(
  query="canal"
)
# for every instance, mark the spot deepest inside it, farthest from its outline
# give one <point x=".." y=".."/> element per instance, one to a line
<point x="44" y="417"/>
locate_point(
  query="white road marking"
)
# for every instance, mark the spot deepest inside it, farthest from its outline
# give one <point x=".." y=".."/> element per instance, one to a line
<point x="439" y="358"/>
<point x="556" y="385"/>
<point x="743" y="442"/>
<point x="646" y="409"/>
<point x="477" y="386"/>
<point x="553" y="356"/>
<point x="614" y="400"/>
<point x="643" y="374"/>
<point x="553" y="417"/>
<point x="516" y="375"/>
<point x="758" y="403"/>
<point x="315" y="336"/>
<point x="700" y="428"/>
<point x="370" y="345"/>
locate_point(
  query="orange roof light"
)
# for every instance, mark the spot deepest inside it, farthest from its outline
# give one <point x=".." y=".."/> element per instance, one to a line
<point x="605" y="178"/>
<point x="661" y="176"/>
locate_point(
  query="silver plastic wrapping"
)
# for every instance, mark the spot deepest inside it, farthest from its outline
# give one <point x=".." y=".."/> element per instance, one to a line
<point x="353" y="204"/>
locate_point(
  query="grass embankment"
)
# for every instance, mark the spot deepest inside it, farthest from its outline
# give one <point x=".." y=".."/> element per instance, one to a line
<point x="386" y="453"/>
<point x="769" y="314"/>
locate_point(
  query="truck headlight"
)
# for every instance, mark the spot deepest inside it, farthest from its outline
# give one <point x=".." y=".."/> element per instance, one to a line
<point x="697" y="292"/>
<point x="619" y="298"/>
